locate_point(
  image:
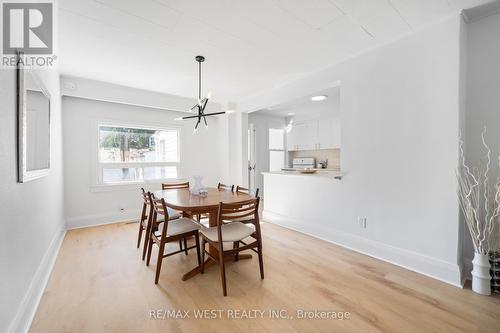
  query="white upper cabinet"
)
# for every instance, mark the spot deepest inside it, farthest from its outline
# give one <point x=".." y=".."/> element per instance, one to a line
<point x="314" y="134"/>
<point x="328" y="133"/>
<point x="299" y="138"/>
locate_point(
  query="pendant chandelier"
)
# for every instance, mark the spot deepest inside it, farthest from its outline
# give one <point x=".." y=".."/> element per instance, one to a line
<point x="199" y="107"/>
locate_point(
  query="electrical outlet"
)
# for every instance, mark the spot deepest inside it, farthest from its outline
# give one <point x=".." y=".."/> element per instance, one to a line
<point x="362" y="222"/>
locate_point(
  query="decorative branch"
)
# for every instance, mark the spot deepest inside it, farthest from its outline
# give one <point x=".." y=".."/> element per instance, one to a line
<point x="480" y="203"/>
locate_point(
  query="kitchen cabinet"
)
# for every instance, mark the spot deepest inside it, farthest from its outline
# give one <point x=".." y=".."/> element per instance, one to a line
<point x="314" y="134"/>
<point x="328" y="136"/>
<point x="302" y="136"/>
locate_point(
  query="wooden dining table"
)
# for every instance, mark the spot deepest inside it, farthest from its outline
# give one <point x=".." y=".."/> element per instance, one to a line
<point x="192" y="205"/>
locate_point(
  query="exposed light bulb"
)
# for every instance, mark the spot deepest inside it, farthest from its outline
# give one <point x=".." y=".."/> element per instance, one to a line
<point x="230" y="111"/>
<point x="195" y="131"/>
<point x="209" y="94"/>
<point x="199" y="102"/>
<point x="206" y="125"/>
<point x="179" y="118"/>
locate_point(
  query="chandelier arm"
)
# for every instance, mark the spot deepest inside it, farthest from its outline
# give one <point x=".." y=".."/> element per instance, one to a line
<point x="204" y="115"/>
<point x="213" y="113"/>
<point x="204" y="104"/>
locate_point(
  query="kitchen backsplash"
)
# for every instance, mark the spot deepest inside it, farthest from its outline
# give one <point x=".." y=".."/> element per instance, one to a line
<point x="333" y="156"/>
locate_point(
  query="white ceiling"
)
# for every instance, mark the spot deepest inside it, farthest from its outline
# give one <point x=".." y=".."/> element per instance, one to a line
<point x="303" y="105"/>
<point x="250" y="45"/>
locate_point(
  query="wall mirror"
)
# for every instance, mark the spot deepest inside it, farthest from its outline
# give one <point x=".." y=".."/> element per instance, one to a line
<point x="33" y="126"/>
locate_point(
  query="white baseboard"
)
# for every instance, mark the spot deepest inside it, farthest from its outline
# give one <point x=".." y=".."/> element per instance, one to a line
<point x="423" y="264"/>
<point x="26" y="311"/>
<point x="101" y="219"/>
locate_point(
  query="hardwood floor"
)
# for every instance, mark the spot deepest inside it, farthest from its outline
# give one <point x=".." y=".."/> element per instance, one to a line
<point x="100" y="284"/>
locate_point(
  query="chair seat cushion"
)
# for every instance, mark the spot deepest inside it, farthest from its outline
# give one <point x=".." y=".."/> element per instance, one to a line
<point x="179" y="226"/>
<point x="231" y="232"/>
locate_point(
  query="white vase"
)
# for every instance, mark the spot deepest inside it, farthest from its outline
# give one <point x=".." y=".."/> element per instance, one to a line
<point x="197" y="184"/>
<point x="481" y="274"/>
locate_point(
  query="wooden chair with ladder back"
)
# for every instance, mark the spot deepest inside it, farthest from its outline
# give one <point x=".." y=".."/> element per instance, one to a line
<point x="241" y="189"/>
<point x="145" y="220"/>
<point x="176" y="186"/>
<point x="168" y="231"/>
<point x="230" y="229"/>
<point x="173" y="186"/>
<point x="221" y="186"/>
<point x="254" y="193"/>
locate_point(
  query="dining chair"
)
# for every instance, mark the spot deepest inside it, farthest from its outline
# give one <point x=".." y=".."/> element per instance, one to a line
<point x="230" y="229"/>
<point x="172" y="186"/>
<point x="252" y="193"/>
<point x="145" y="221"/>
<point x="221" y="186"/>
<point x="241" y="189"/>
<point x="168" y="231"/>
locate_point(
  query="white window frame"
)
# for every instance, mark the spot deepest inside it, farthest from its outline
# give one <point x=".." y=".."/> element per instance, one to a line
<point x="99" y="184"/>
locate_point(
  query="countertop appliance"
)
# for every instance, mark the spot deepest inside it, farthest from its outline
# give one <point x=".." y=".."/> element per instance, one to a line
<point x="303" y="163"/>
<point x="322" y="164"/>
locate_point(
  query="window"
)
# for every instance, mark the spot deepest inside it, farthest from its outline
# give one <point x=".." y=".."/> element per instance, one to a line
<point x="136" y="154"/>
<point x="276" y="149"/>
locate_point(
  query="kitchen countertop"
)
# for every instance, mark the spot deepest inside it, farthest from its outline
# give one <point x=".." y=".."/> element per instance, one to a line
<point x="321" y="173"/>
<point x="317" y="169"/>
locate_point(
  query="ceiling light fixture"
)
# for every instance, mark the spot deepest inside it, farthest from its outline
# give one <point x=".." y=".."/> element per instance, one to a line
<point x="318" y="98"/>
<point x="202" y="103"/>
<point x="291" y="113"/>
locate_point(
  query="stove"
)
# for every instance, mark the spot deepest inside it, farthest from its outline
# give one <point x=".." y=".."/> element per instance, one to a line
<point x="303" y="163"/>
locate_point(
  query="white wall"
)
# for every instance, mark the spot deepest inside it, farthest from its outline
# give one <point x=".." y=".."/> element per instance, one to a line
<point x="236" y="125"/>
<point x="90" y="205"/>
<point x="400" y="119"/>
<point x="262" y="125"/>
<point x="31" y="214"/>
<point x="482" y="96"/>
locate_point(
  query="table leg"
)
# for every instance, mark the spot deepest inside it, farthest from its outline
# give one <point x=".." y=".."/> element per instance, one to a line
<point x="209" y="262"/>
